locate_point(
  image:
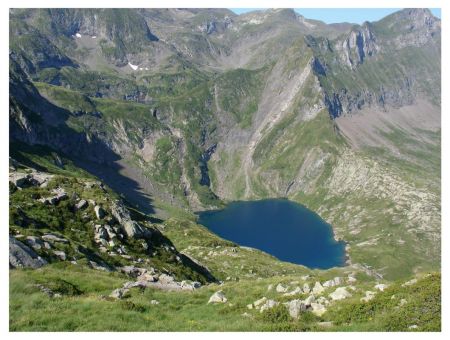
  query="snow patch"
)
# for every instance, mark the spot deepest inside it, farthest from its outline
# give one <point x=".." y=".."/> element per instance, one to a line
<point x="134" y="67"/>
<point x="78" y="35"/>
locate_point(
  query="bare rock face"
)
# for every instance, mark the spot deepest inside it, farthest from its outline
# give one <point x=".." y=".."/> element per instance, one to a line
<point x="21" y="256"/>
<point x="360" y="44"/>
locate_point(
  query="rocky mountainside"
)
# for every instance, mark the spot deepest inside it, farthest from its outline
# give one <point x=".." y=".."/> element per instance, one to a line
<point x="148" y="115"/>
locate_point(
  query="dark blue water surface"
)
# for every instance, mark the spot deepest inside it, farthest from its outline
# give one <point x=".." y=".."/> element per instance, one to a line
<point x="282" y="228"/>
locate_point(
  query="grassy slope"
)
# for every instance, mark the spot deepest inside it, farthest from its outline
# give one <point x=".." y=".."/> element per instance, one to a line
<point x="31" y="310"/>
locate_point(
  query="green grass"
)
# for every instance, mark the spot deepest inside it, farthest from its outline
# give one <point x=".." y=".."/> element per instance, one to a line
<point x="89" y="310"/>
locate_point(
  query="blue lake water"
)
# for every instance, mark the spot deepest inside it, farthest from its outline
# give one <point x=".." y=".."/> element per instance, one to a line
<point x="282" y="228"/>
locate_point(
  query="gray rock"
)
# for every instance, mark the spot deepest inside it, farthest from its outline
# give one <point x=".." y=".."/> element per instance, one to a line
<point x="132" y="228"/>
<point x="340" y="294"/>
<point x="164" y="278"/>
<point x="381" y="286"/>
<point x="35" y="242"/>
<point x="318" y="288"/>
<point x="189" y="285"/>
<point x="40" y="178"/>
<point x="218" y="297"/>
<point x="258" y="303"/>
<point x="268" y="305"/>
<point x="296" y="291"/>
<point x="62" y="255"/>
<point x="410" y="283"/>
<point x="310" y="299"/>
<point x="119" y="293"/>
<point x="99" y="266"/>
<point x="99" y="212"/>
<point x="295" y="307"/>
<point x="281" y="289"/>
<point x="318" y="309"/>
<point x="100" y="233"/>
<point x="54" y="238"/>
<point x="82" y="204"/>
<point x="306" y="288"/>
<point x="20" y="179"/>
<point x="133" y="271"/>
<point x="369" y="296"/>
<point x="334" y="282"/>
<point x="59" y="195"/>
<point x="21" y="256"/>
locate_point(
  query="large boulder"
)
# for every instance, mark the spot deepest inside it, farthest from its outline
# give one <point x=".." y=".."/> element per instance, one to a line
<point x="131" y="228"/>
<point x="81" y="205"/>
<point x="310" y="299"/>
<point x="295" y="307"/>
<point x="54" y="238"/>
<point x="268" y="305"/>
<point x="218" y="297"/>
<point x="58" y="195"/>
<point x="281" y="288"/>
<point x="318" y="309"/>
<point x="381" y="286"/>
<point x="306" y="288"/>
<point x="135" y="230"/>
<point x="318" y="288"/>
<point x="20" y="179"/>
<point x="99" y="212"/>
<point x="337" y="281"/>
<point x="340" y="294"/>
<point x="36" y="243"/>
<point x="119" y="293"/>
<point x="369" y="296"/>
<point x="296" y="291"/>
<point x="22" y="256"/>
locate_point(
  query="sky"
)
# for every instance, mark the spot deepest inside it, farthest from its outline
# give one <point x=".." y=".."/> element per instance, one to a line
<point x="334" y="15"/>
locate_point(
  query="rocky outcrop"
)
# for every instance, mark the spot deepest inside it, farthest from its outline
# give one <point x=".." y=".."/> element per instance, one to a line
<point x="23" y="180"/>
<point x="21" y="256"/>
<point x="132" y="228"/>
<point x="357" y="46"/>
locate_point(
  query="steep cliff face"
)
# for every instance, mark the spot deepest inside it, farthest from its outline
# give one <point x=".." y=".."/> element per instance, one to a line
<point x="357" y="46"/>
<point x="199" y="106"/>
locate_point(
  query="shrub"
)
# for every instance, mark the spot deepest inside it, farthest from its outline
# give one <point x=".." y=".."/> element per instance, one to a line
<point x="277" y="314"/>
<point x="62" y="287"/>
<point x="129" y="305"/>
